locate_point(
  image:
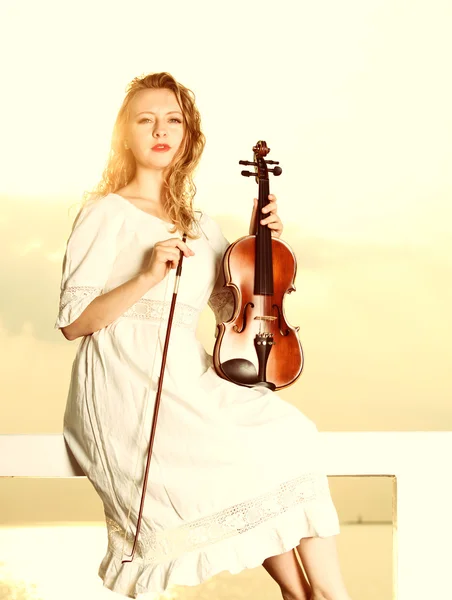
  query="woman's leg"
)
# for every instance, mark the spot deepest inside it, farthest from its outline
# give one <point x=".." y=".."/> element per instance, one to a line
<point x="288" y="574"/>
<point x="321" y="563"/>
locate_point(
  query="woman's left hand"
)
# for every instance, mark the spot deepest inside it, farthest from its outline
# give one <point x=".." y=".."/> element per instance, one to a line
<point x="269" y="217"/>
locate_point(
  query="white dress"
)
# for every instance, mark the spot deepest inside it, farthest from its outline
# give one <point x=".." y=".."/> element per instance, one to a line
<point x="236" y="473"/>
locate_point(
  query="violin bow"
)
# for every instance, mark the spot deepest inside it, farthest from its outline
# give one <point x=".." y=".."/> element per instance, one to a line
<point x="157" y="401"/>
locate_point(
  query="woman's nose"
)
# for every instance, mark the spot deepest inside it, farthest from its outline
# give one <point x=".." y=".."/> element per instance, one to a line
<point x="160" y="129"/>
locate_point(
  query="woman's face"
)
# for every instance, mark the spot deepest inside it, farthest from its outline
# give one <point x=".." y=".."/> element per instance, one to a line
<point x="155" y="119"/>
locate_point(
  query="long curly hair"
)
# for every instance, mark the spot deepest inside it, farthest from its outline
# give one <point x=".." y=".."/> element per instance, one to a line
<point x="179" y="188"/>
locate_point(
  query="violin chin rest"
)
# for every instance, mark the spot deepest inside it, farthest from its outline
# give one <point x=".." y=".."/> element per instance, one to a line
<point x="243" y="372"/>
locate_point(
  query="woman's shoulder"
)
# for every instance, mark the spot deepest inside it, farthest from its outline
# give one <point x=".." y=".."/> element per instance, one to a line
<point x="206" y="222"/>
<point x="106" y="204"/>
<point x="212" y="231"/>
<point x="98" y="210"/>
<point x="104" y="201"/>
<point x="207" y="218"/>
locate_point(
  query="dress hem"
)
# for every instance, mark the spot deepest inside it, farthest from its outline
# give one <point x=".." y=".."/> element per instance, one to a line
<point x="242" y="551"/>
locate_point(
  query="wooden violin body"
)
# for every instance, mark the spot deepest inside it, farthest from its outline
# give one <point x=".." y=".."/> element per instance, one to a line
<point x="257" y="346"/>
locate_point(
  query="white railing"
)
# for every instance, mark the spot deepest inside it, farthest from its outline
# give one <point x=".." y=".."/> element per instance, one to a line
<point x="422" y="502"/>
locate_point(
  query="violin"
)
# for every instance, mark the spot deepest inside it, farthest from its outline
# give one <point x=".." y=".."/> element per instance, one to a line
<point x="257" y="346"/>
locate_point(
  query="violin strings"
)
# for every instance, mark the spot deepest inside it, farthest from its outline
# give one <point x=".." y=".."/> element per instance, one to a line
<point x="260" y="258"/>
<point x="265" y="255"/>
<point x="264" y="262"/>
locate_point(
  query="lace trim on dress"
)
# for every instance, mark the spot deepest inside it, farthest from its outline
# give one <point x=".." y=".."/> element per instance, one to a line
<point x="164" y="545"/>
<point x="75" y="293"/>
<point x="218" y="301"/>
<point x="147" y="309"/>
<point x="154" y="310"/>
<point x="222" y="304"/>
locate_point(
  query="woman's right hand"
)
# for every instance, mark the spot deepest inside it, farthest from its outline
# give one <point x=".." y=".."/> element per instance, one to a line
<point x="163" y="255"/>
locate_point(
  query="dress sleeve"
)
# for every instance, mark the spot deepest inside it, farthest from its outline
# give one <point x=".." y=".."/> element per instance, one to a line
<point x="90" y="254"/>
<point x="221" y="300"/>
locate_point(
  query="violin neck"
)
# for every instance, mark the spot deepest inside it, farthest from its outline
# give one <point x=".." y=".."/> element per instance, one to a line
<point x="263" y="272"/>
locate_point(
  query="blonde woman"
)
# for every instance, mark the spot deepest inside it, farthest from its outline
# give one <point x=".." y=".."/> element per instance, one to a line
<point x="236" y="478"/>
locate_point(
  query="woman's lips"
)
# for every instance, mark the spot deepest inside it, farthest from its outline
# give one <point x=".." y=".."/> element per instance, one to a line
<point x="160" y="148"/>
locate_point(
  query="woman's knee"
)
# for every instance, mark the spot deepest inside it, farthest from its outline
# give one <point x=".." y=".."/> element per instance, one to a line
<point x="321" y="563"/>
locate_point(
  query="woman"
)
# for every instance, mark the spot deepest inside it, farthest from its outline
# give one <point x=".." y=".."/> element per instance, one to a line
<point x="235" y="479"/>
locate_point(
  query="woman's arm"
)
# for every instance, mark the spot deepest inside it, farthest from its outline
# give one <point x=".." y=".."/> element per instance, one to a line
<point x="106" y="308"/>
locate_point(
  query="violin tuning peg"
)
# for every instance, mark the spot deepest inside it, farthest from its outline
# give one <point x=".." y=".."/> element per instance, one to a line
<point x="248" y="174"/>
<point x="276" y="171"/>
<point x="272" y="162"/>
<point x="248" y="163"/>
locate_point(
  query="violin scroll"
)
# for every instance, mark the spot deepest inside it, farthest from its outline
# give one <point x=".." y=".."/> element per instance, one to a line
<point x="260" y="151"/>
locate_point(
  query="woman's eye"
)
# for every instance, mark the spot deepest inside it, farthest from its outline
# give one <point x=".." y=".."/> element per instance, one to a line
<point x="147" y="119"/>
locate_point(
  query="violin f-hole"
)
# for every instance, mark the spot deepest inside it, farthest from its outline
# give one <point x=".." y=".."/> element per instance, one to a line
<point x="279" y="321"/>
<point x="235" y="328"/>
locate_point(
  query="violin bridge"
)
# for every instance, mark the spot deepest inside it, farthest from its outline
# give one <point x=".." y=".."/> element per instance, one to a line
<point x="265" y="318"/>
